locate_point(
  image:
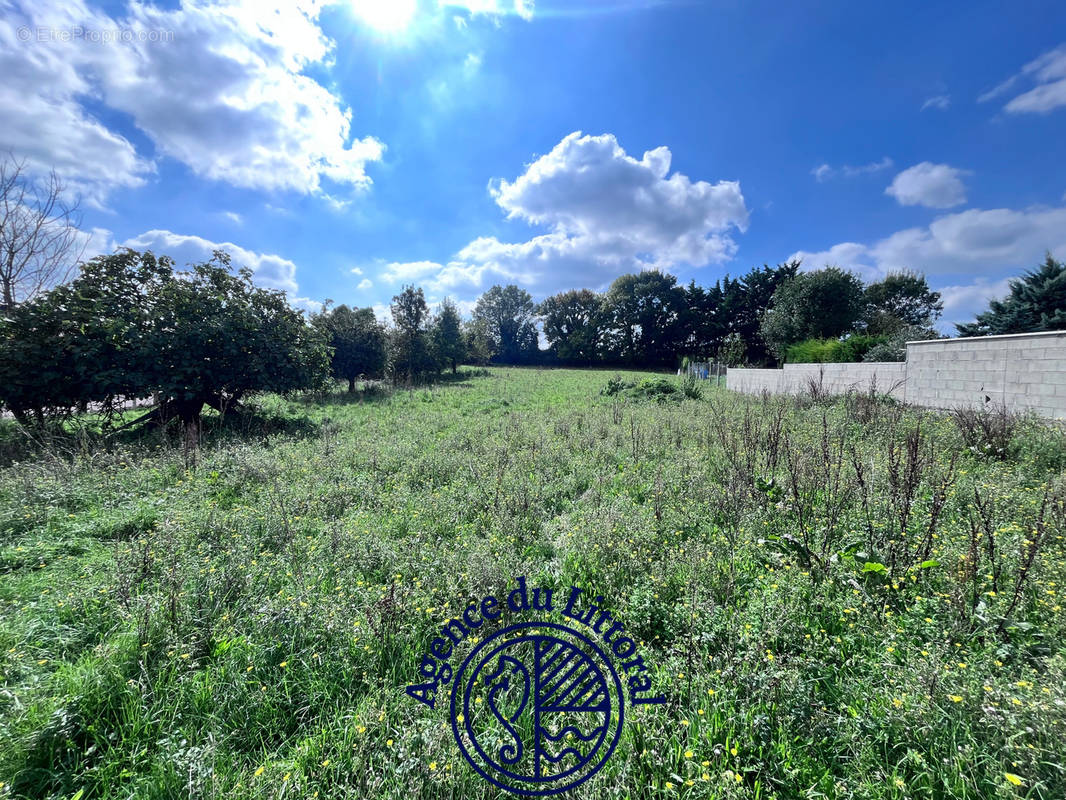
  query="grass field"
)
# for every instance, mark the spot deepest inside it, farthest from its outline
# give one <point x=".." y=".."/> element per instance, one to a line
<point x="839" y="598"/>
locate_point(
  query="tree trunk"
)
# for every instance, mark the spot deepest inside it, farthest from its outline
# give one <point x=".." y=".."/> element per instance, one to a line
<point x="189" y="413"/>
<point x="351" y="385"/>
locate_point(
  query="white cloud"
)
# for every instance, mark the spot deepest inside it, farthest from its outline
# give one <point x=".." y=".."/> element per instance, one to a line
<point x="471" y="64"/>
<point x="271" y="271"/>
<point x="1048" y="73"/>
<point x="979" y="243"/>
<point x="824" y="172"/>
<point x="227" y="94"/>
<point x="930" y="185"/>
<point x="306" y="303"/>
<point x="941" y="102"/>
<point x="524" y="8"/>
<point x="968" y="242"/>
<point x="410" y="271"/>
<point x="965" y="301"/>
<point x="365" y="284"/>
<point x="356" y="271"/>
<point x="233" y="217"/>
<point x="606" y="214"/>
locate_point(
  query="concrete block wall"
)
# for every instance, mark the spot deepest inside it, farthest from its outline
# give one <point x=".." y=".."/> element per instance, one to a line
<point x="888" y="378"/>
<point x="1025" y="371"/>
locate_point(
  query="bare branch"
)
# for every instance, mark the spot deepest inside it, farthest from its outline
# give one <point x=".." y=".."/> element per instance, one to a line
<point x="40" y="237"/>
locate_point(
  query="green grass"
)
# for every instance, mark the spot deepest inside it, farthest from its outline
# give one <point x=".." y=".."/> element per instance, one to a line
<point x="246" y="628"/>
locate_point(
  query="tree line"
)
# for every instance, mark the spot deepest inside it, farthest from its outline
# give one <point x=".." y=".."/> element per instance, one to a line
<point x="131" y="325"/>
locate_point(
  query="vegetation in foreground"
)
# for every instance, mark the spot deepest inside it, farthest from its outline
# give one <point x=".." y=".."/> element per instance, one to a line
<point x="840" y="599"/>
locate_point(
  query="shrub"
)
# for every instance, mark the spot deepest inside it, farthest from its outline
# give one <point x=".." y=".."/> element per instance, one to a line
<point x="815" y="351"/>
<point x="988" y="431"/>
<point x="690" y="387"/>
<point x="614" y="386"/>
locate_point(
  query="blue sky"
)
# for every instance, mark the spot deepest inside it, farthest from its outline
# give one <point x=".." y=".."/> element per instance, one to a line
<point x="343" y="149"/>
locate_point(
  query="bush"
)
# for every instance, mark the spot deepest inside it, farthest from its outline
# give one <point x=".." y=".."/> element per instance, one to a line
<point x="988" y="431"/>
<point x="690" y="387"/>
<point x="615" y="385"/>
<point x="833" y="351"/>
<point x="894" y="347"/>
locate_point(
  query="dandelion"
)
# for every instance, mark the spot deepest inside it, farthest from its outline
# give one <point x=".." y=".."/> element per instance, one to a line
<point x="954" y="698"/>
<point x="1014" y="779"/>
<point x="689" y="754"/>
<point x="260" y="771"/>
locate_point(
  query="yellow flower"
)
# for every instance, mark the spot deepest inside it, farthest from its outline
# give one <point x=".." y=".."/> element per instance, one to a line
<point x="689" y="754"/>
<point x="284" y="664"/>
<point x="325" y="763"/>
<point x="1012" y="778"/>
<point x="388" y="743"/>
<point x="432" y="764"/>
<point x="954" y="698"/>
<point x="259" y="771"/>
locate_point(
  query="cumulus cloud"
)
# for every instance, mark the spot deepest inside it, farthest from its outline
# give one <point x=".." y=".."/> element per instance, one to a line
<point x="220" y="86"/>
<point x="930" y="185"/>
<point x="1048" y="74"/>
<point x="940" y="102"/>
<point x="963" y="302"/>
<point x="606" y="213"/>
<point x="975" y="242"/>
<point x="271" y="271"/>
<point x="824" y="172"/>
<point x="365" y="284"/>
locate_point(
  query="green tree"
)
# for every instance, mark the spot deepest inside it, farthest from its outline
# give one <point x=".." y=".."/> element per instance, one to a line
<point x="901" y="300"/>
<point x="507" y="313"/>
<point x="447" y="335"/>
<point x="476" y="342"/>
<point x="744" y="304"/>
<point x="1036" y="302"/>
<point x="412" y="356"/>
<point x="358" y="341"/>
<point x="130" y="327"/>
<point x="704" y="322"/>
<point x="823" y="304"/>
<point x="643" y="312"/>
<point x="573" y="325"/>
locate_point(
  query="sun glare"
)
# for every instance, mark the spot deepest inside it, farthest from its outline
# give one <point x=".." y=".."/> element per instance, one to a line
<point x="387" y="16"/>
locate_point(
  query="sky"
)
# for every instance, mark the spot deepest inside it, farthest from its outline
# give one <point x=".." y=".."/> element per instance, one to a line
<point x="345" y="149"/>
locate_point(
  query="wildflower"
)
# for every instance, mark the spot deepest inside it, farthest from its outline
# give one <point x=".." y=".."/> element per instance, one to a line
<point x="688" y="754"/>
<point x="954" y="698"/>
<point x="1014" y="779"/>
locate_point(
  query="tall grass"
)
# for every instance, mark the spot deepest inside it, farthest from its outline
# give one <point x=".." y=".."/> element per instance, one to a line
<point x="840" y="599"/>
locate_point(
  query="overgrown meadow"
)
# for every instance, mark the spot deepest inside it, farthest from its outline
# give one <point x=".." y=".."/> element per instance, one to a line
<point x="840" y="598"/>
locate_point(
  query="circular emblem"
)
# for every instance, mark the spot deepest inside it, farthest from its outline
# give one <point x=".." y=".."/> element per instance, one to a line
<point x="537" y="708"/>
